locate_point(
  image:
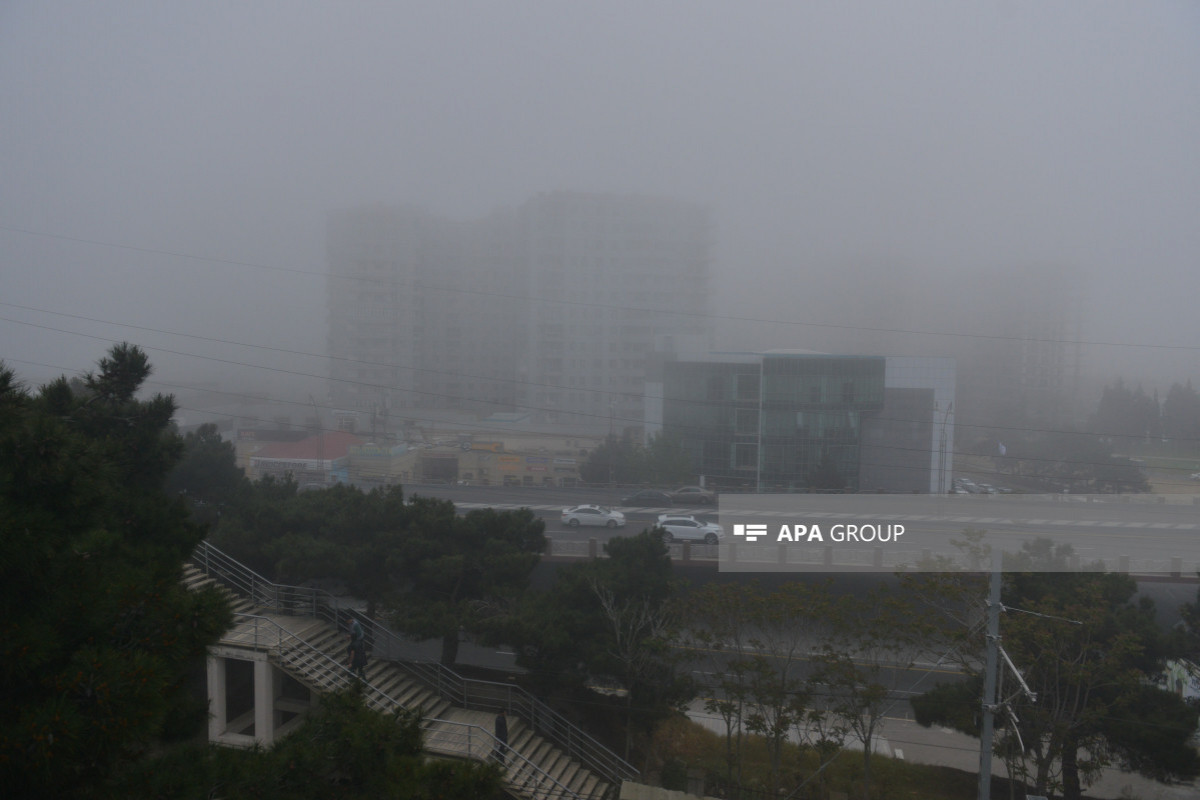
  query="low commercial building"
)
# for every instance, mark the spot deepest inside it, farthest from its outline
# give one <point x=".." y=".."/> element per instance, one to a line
<point x="313" y="461"/>
<point x="801" y="421"/>
<point x="512" y="461"/>
<point x="516" y="458"/>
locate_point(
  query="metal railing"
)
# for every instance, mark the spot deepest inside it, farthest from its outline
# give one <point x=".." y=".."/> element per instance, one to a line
<point x="450" y="686"/>
<point x="461" y="739"/>
<point x="441" y="736"/>
<point x="262" y="634"/>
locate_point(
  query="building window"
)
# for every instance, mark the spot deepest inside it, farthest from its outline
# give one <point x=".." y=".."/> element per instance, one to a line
<point x="746" y="421"/>
<point x="747" y="387"/>
<point x="745" y="456"/>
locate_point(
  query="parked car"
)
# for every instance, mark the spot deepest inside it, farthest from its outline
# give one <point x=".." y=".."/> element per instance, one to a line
<point x="689" y="529"/>
<point x="593" y="515"/>
<point x="693" y="495"/>
<point x="647" y="497"/>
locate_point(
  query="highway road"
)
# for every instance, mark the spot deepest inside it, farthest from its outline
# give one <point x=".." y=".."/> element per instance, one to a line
<point x="1143" y="526"/>
<point x="1096" y="517"/>
<point x="1144" y="534"/>
<point x="548" y="503"/>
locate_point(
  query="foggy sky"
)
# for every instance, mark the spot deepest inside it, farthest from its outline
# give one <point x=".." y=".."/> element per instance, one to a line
<point x="849" y="153"/>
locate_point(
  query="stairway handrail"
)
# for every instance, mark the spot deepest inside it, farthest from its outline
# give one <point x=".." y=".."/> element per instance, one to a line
<point x="346" y="678"/>
<point x="525" y="764"/>
<point x="449" y="685"/>
<point x="332" y="667"/>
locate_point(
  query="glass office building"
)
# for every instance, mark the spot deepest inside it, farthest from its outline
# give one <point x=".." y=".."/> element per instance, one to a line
<point x="787" y="421"/>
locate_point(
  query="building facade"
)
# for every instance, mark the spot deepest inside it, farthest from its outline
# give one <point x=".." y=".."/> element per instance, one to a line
<point x="788" y="421"/>
<point x="614" y="283"/>
<point x="422" y="312"/>
<point x="556" y="308"/>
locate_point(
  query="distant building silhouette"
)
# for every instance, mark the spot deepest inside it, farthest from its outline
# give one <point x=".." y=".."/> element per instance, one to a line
<point x="556" y="308"/>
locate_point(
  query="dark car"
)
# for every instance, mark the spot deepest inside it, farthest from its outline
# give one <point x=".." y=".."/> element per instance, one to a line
<point x="647" y="497"/>
<point x="693" y="495"/>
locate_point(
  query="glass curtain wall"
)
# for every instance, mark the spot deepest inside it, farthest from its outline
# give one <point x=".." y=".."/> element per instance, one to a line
<point x="811" y="419"/>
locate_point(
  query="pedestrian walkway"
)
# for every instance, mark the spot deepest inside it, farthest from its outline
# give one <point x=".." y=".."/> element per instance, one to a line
<point x="905" y="739"/>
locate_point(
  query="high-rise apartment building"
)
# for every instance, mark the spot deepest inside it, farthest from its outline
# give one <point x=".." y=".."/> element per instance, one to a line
<point x="614" y="283"/>
<point x="555" y="308"/>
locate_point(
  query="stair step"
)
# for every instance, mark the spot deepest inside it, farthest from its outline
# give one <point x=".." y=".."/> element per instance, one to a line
<point x="522" y="740"/>
<point x="585" y="783"/>
<point x="580" y="780"/>
<point x="567" y="773"/>
<point x="318" y="659"/>
<point x="540" y="752"/>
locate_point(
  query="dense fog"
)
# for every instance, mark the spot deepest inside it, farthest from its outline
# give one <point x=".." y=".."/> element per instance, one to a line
<point x="911" y="178"/>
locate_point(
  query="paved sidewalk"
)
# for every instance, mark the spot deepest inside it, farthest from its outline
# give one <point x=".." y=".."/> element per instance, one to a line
<point x="903" y="738"/>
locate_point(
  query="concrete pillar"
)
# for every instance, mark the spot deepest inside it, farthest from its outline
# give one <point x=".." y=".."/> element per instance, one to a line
<point x="264" y="702"/>
<point x="216" y="697"/>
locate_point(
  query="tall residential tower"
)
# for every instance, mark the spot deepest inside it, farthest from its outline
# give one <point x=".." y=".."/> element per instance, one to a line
<point x="554" y="309"/>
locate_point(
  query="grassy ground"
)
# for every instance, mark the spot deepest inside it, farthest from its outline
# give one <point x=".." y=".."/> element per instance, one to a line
<point x="681" y="747"/>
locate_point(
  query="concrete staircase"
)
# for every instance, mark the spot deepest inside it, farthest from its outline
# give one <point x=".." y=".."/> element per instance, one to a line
<point x="313" y="651"/>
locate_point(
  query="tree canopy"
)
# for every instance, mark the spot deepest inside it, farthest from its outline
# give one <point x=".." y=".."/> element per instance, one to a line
<point x="610" y="621"/>
<point x="458" y="573"/>
<point x="98" y="636"/>
<point x="434" y="573"/>
<point x="661" y="462"/>
<point x="1091" y="652"/>
<point x="342" y="750"/>
<point x="207" y="472"/>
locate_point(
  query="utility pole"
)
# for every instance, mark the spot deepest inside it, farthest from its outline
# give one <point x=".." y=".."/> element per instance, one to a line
<point x="989" y="680"/>
<point x="320" y="443"/>
<point x="759" y="447"/>
<point x="942" y="449"/>
<point x="612" y="450"/>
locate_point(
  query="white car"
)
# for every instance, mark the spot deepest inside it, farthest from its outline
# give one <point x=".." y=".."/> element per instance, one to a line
<point x="593" y="515"/>
<point x="689" y="529"/>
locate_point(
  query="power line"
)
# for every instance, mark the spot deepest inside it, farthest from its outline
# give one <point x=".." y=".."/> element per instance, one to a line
<point x="498" y="431"/>
<point x="429" y="370"/>
<point x="587" y="304"/>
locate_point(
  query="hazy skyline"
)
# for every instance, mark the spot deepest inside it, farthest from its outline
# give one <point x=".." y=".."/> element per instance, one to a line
<point x="841" y="147"/>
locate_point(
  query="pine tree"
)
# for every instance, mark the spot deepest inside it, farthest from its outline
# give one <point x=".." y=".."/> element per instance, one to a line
<point x="98" y="637"/>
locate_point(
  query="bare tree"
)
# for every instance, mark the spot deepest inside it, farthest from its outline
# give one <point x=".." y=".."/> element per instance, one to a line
<point x="641" y="631"/>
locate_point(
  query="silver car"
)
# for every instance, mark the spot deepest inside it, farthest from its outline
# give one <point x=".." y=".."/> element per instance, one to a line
<point x="593" y="515"/>
<point x="689" y="529"/>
